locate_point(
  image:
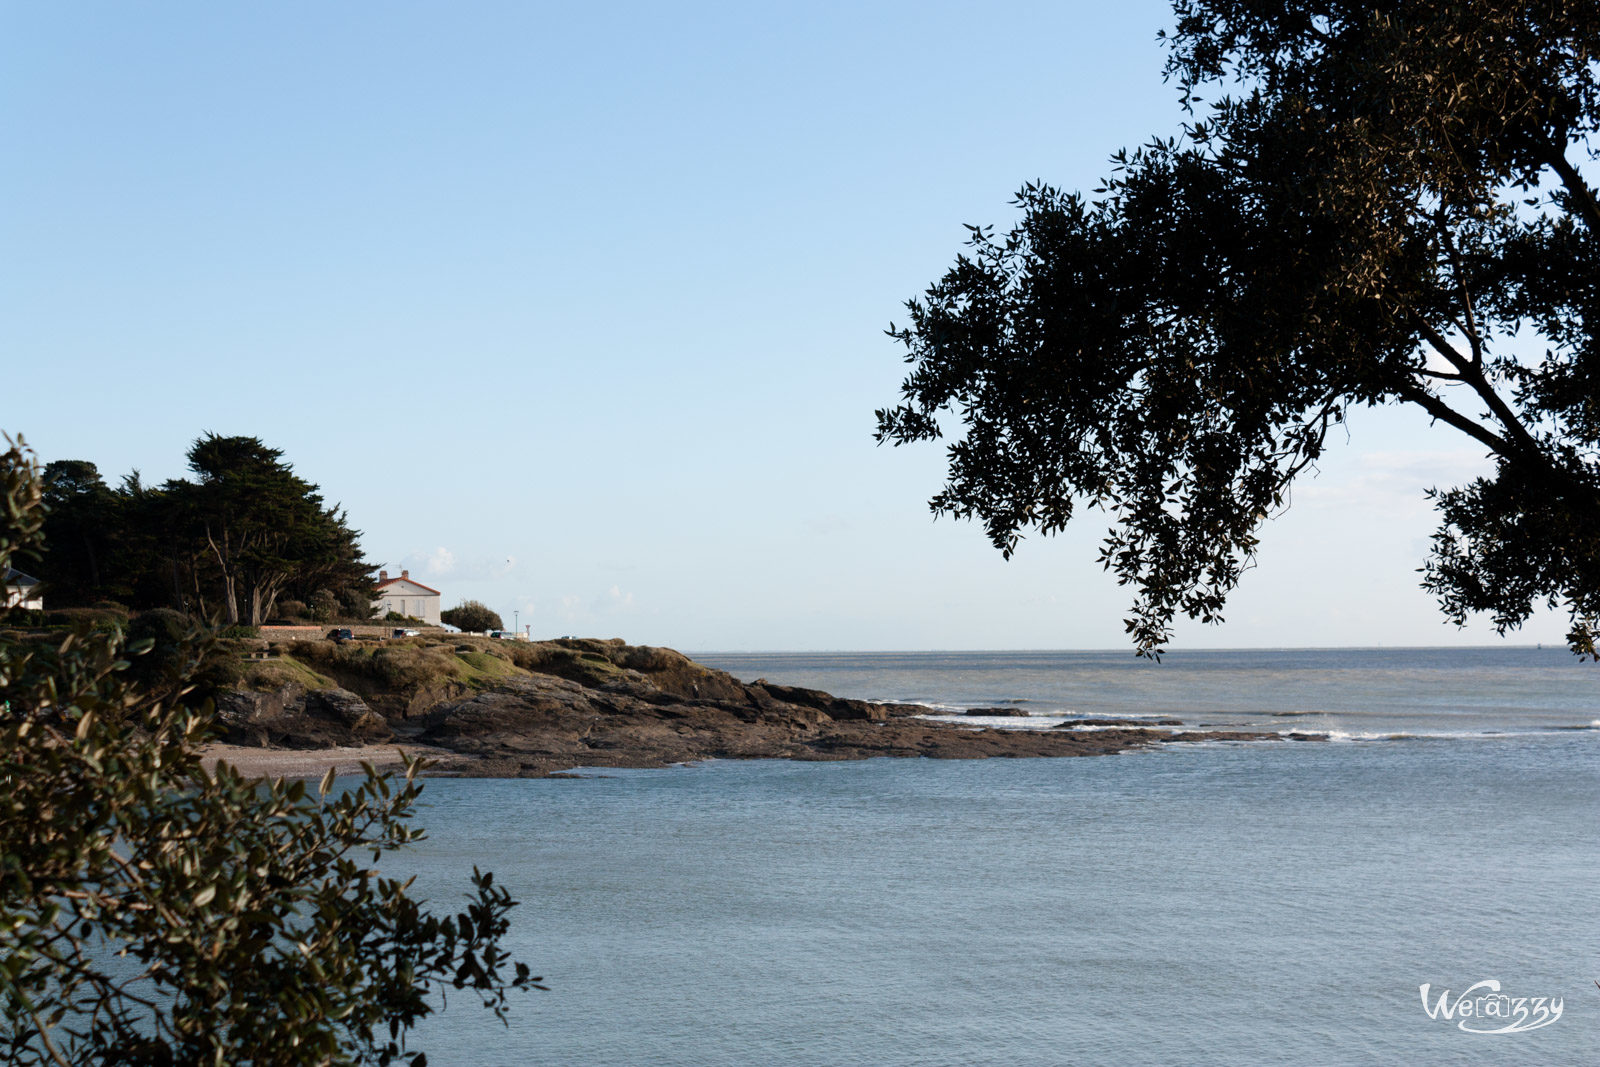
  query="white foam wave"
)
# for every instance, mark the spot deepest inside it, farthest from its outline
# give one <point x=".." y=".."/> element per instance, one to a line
<point x="1049" y="722"/>
<point x="1431" y="735"/>
<point x="1003" y="722"/>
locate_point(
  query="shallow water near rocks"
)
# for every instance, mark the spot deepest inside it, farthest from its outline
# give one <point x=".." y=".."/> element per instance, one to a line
<point x="1246" y="903"/>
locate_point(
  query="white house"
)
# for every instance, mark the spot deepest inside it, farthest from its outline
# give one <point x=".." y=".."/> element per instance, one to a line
<point x="407" y="596"/>
<point x="22" y="591"/>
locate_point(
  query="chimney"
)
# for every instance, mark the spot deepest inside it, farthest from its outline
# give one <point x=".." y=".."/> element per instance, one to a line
<point x="383" y="576"/>
<point x="405" y="574"/>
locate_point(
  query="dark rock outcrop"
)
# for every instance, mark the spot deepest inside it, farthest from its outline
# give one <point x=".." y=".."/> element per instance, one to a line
<point x="573" y="703"/>
<point x="295" y="717"/>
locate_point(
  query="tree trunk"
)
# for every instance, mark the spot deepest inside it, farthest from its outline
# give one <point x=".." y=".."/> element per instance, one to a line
<point x="230" y="581"/>
<point x="264" y="596"/>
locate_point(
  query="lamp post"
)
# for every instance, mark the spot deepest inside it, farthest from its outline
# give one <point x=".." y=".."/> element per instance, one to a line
<point x="515" y="616"/>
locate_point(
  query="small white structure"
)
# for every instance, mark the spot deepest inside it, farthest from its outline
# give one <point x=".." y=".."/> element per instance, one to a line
<point x="22" y="591"/>
<point x="407" y="596"/>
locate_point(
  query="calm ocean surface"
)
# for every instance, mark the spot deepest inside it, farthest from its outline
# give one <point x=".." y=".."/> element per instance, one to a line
<point x="1226" y="903"/>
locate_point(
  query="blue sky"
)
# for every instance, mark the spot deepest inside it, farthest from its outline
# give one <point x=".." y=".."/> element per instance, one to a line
<point x="578" y="309"/>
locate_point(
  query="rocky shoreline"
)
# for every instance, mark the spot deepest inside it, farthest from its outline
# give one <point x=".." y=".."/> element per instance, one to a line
<point x="532" y="710"/>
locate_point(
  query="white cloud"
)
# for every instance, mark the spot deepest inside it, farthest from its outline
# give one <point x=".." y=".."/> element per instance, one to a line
<point x="1391" y="481"/>
<point x="442" y="562"/>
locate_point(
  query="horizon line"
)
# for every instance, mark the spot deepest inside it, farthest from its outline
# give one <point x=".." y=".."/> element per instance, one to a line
<point x="1536" y="646"/>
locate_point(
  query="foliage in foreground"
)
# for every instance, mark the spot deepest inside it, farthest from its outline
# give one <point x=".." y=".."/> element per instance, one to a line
<point x="152" y="912"/>
<point x="1378" y="200"/>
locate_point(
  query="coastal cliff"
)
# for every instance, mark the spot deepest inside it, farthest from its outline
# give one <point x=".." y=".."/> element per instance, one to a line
<point x="532" y="709"/>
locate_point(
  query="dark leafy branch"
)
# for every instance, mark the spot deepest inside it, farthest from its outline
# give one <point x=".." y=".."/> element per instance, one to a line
<point x="1371" y="184"/>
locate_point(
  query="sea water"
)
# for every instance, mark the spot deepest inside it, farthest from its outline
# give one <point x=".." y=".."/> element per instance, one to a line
<point x="1348" y="694"/>
<point x="1216" y="903"/>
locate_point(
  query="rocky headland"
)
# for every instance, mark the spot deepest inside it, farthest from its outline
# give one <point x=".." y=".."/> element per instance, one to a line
<point x="534" y="709"/>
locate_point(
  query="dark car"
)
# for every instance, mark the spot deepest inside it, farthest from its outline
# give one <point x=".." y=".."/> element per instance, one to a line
<point x="341" y="635"/>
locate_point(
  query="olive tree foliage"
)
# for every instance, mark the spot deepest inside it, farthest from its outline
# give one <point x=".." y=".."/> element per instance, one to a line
<point x="1369" y="204"/>
<point x="155" y="912"/>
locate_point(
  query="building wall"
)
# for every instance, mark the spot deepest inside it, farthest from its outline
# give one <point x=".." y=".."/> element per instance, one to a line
<point x="25" y="597"/>
<point x="413" y="602"/>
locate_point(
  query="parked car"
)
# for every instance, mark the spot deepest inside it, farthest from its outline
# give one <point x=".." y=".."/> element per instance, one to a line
<point x="401" y="631"/>
<point x="341" y="635"/>
<point x="503" y="635"/>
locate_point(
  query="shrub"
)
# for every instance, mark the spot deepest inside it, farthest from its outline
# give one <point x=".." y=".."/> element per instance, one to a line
<point x="163" y="625"/>
<point x="90" y="618"/>
<point x="324" y="605"/>
<point x="398" y="665"/>
<point x="409" y="666"/>
<point x="356" y="603"/>
<point x="294" y="609"/>
<point x="169" y="634"/>
<point x="472" y="615"/>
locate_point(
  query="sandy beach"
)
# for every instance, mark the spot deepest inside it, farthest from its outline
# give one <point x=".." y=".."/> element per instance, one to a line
<point x="313" y="763"/>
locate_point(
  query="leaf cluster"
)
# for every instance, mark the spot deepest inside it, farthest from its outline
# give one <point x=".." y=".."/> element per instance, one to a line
<point x="153" y="911"/>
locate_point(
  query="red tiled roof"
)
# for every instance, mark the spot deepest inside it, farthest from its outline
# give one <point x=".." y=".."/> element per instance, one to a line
<point x="413" y="581"/>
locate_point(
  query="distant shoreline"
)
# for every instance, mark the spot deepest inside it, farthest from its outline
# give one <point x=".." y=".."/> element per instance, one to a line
<point x="504" y="709"/>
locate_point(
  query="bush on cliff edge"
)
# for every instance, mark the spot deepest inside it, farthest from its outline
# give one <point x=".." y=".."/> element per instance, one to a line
<point x="472" y="616"/>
